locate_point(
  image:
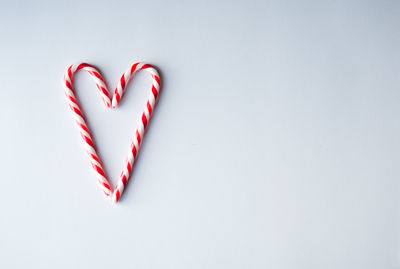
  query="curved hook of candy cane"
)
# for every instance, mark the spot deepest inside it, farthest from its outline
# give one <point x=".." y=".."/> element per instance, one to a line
<point x="146" y="116"/>
<point x="80" y="121"/>
<point x="97" y="78"/>
<point x="128" y="75"/>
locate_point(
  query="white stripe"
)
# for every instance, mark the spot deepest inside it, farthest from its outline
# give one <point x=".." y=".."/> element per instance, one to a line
<point x="131" y="158"/>
<point x="119" y="89"/>
<point x="69" y="92"/>
<point x="140" y="129"/>
<point x="127" y="77"/>
<point x="67" y="78"/>
<point x="73" y="68"/>
<point x="146" y="112"/>
<point x="120" y="187"/>
<point x="136" y="143"/>
<point x="139" y="66"/>
<point x="152" y="100"/>
<point x="155" y="84"/>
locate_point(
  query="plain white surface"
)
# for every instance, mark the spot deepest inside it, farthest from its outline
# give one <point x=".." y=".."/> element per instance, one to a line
<point x="275" y="143"/>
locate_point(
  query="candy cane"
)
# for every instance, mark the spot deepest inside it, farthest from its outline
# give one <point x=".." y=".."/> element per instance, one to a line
<point x="84" y="130"/>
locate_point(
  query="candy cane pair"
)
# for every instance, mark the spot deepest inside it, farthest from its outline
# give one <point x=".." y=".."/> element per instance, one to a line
<point x="84" y="130"/>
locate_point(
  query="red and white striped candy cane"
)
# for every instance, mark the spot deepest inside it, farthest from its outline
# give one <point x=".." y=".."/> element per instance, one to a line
<point x="84" y="130"/>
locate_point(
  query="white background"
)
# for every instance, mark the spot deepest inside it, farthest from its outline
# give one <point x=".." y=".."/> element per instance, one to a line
<point x="275" y="143"/>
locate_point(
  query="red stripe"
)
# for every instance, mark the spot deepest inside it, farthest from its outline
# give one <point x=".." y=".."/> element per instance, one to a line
<point x="122" y="82"/>
<point x="134" y="151"/>
<point x="106" y="185"/>
<point x="72" y="100"/>
<point x="155" y="93"/>
<point x="83" y="127"/>
<point x="128" y="166"/>
<point x="88" y="140"/>
<point x="101" y="172"/>
<point x="94" y="157"/>
<point x="117" y="96"/>
<point x="133" y="68"/>
<point x="149" y="107"/>
<point x="146" y="66"/>
<point x="103" y="90"/>
<point x="106" y="193"/>
<point x="77" y="111"/>
<point x="139" y="139"/>
<point x="70" y="72"/>
<point x="124" y="180"/>
<point x="83" y="65"/>
<point x="68" y="85"/>
<point x="157" y="79"/>
<point x="144" y="120"/>
<point x="117" y="195"/>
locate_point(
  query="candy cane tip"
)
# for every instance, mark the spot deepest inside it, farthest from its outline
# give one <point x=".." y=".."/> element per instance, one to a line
<point x="114" y="102"/>
<point x="114" y="198"/>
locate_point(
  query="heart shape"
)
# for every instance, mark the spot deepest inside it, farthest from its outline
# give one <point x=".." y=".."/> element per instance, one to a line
<point x="118" y="93"/>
